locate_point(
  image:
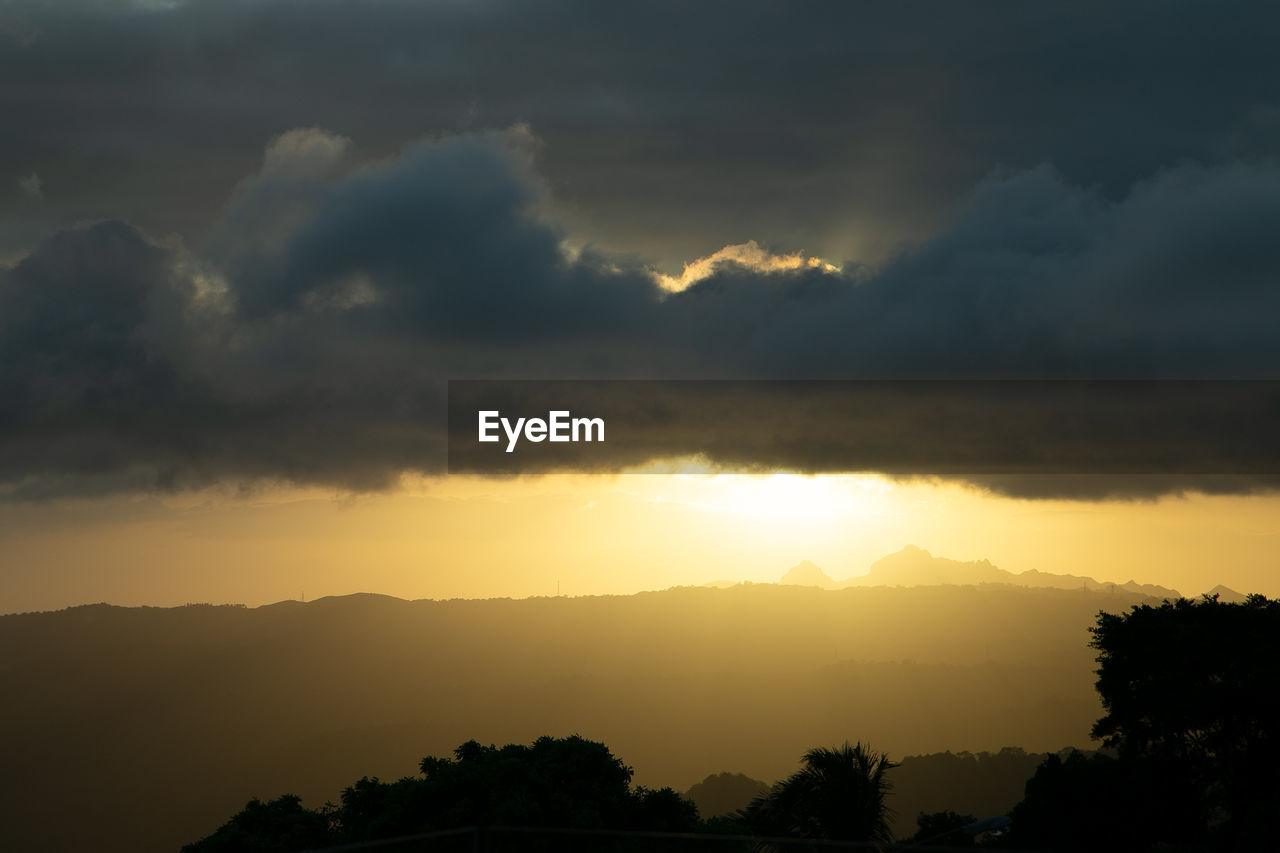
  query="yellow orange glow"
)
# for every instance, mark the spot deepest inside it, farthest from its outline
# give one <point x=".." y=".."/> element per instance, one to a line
<point x="775" y="497"/>
<point x="749" y="255"/>
<point x="465" y="536"/>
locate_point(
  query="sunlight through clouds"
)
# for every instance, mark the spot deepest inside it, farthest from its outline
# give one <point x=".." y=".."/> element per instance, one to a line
<point x="749" y="255"/>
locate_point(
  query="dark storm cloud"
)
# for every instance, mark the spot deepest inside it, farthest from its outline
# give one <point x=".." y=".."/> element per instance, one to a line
<point x="671" y="129"/>
<point x="1010" y="190"/>
<point x="446" y="241"/>
<point x="1038" y="277"/>
<point x="309" y="340"/>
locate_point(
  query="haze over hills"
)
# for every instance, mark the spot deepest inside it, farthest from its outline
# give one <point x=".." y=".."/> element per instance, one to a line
<point x="169" y="719"/>
<point x="913" y="566"/>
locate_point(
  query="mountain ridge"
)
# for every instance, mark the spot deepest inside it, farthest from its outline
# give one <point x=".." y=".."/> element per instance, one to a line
<point x="915" y="566"/>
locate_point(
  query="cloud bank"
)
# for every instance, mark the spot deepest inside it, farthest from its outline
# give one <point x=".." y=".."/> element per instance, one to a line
<point x="670" y="130"/>
<point x="308" y="336"/>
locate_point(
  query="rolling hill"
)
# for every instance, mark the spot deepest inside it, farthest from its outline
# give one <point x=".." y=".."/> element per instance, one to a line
<point x="138" y="729"/>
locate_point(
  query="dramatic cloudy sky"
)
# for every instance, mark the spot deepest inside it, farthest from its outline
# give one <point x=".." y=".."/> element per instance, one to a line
<point x="243" y="243"/>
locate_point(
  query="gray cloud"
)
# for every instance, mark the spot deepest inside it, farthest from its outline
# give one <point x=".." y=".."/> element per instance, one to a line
<point x="307" y="337"/>
<point x="30" y="186"/>
<point x="670" y="129"/>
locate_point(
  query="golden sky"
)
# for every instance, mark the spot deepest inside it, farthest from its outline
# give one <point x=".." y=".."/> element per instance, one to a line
<point x="470" y="537"/>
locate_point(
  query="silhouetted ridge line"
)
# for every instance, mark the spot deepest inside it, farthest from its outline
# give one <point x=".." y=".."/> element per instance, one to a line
<point x="913" y="566"/>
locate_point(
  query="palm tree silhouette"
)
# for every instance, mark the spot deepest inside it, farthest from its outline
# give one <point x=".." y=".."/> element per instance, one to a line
<point x="837" y="794"/>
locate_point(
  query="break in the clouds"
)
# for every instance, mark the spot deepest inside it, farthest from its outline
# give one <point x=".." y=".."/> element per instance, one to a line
<point x="308" y="337"/>
<point x="758" y="190"/>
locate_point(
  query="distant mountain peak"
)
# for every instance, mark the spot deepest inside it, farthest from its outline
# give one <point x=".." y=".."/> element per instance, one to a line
<point x="806" y="573"/>
<point x="1227" y="595"/>
<point x="914" y="566"/>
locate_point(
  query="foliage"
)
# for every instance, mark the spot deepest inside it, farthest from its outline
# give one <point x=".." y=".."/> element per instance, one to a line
<point x="1097" y="802"/>
<point x="282" y="824"/>
<point x="1193" y="689"/>
<point x="838" y="794"/>
<point x="555" y="782"/>
<point x="1191" y="695"/>
<point x="943" y="829"/>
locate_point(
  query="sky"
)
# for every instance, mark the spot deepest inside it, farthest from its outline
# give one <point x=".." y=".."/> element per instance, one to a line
<point x="243" y="245"/>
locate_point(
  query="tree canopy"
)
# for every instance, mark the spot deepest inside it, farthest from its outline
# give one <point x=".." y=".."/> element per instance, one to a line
<point x="1191" y="697"/>
<point x="554" y="782"/>
<point x="1194" y="686"/>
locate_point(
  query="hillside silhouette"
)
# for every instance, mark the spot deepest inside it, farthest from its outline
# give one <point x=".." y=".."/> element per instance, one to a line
<point x="723" y="794"/>
<point x="168" y="719"/>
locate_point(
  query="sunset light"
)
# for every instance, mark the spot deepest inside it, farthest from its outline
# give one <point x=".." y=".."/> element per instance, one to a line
<point x="579" y="427"/>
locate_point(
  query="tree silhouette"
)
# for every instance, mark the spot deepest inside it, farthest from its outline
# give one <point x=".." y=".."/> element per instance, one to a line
<point x="1193" y="689"/>
<point x="554" y="782"/>
<point x="943" y="829"/>
<point x="1097" y="802"/>
<point x="281" y="824"/>
<point x="837" y="794"/>
<point x="1191" y="693"/>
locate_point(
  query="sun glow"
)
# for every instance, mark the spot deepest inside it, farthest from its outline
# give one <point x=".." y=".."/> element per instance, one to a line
<point x="794" y="497"/>
<point x="465" y="536"/>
